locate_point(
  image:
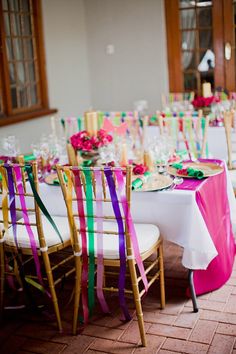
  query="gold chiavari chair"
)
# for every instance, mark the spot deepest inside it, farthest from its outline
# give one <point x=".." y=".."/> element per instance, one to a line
<point x="229" y="132"/>
<point x="187" y="131"/>
<point x="177" y="99"/>
<point x="29" y="235"/>
<point x="82" y="207"/>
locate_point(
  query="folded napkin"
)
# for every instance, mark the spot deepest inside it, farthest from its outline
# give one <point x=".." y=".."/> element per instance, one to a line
<point x="188" y="171"/>
<point x="193" y="172"/>
<point x="138" y="182"/>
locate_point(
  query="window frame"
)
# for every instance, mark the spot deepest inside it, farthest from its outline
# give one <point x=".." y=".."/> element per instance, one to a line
<point x="224" y="71"/>
<point x="8" y="116"/>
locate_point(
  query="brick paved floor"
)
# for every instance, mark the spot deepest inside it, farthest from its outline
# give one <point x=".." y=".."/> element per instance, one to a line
<point x="176" y="329"/>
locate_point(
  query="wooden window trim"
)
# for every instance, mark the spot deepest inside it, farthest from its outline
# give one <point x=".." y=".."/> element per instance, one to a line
<point x="9" y="117"/>
<point x="21" y="117"/>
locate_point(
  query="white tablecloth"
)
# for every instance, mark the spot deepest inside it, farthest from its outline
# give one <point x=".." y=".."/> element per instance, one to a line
<point x="175" y="212"/>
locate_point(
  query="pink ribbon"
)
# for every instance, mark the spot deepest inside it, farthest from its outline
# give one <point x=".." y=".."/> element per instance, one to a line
<point x="33" y="245"/>
<point x="80" y="206"/>
<point x="99" y="217"/>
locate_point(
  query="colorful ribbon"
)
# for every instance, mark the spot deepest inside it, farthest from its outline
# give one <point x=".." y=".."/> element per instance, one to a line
<point x="17" y="171"/>
<point x="121" y="231"/>
<point x="100" y="265"/>
<point x="129" y="221"/>
<point x="12" y="201"/>
<point x="90" y="225"/>
<point x="80" y="207"/>
<point x="42" y="207"/>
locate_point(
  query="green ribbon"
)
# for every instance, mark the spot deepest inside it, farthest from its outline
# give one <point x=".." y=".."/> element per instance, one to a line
<point x="90" y="226"/>
<point x="203" y="125"/>
<point x="183" y="154"/>
<point x="79" y="123"/>
<point x="30" y="157"/>
<point x="100" y="119"/>
<point x="87" y="163"/>
<point x="63" y="122"/>
<point x="153" y="119"/>
<point x="42" y="207"/>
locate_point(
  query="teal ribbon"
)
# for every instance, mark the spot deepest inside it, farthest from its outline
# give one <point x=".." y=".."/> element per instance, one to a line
<point x="79" y="123"/>
<point x="39" y="201"/>
<point x="90" y="225"/>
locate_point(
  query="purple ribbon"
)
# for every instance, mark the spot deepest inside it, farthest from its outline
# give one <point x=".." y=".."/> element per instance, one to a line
<point x="121" y="231"/>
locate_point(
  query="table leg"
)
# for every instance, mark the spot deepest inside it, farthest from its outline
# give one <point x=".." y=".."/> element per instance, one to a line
<point x="192" y="290"/>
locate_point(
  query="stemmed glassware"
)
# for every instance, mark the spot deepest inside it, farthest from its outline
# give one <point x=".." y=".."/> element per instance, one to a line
<point x="48" y="152"/>
<point x="10" y="146"/>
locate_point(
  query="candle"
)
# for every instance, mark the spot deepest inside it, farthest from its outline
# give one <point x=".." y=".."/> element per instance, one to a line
<point x="91" y="122"/>
<point x="123" y="156"/>
<point x="148" y="161"/>
<point x="206" y="89"/>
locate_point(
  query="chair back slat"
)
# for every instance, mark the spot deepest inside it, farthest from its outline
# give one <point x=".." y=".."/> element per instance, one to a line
<point x="228" y="125"/>
<point x="187" y="129"/>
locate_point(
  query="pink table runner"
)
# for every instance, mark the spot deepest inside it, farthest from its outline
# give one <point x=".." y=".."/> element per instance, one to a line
<point x="212" y="200"/>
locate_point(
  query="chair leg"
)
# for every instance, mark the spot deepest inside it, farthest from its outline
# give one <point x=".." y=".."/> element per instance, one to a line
<point x="162" y="279"/>
<point x="137" y="301"/>
<point x="52" y="289"/>
<point x="78" y="269"/>
<point x="2" y="279"/>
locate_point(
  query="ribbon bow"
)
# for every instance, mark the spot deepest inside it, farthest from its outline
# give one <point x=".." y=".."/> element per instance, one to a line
<point x="109" y="127"/>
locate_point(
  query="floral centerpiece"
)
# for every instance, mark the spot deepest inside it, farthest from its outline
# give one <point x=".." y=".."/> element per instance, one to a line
<point x="86" y="143"/>
<point x="202" y="102"/>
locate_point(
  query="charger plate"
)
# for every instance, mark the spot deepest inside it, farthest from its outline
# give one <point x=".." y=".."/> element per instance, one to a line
<point x="208" y="168"/>
<point x="50" y="179"/>
<point x="156" y="182"/>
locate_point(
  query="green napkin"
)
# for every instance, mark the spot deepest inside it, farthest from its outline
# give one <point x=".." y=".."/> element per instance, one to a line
<point x="138" y="182"/>
<point x="193" y="172"/>
<point x="177" y="165"/>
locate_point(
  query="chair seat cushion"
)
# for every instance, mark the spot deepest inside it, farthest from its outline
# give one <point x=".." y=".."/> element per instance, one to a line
<point x="147" y="235"/>
<point x="50" y="234"/>
<point x="232" y="174"/>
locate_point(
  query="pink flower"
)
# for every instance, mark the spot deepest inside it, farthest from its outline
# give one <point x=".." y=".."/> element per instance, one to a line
<point x="109" y="138"/>
<point x="87" y="146"/>
<point x="139" y="169"/>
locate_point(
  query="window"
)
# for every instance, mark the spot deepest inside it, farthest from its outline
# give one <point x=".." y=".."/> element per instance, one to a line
<point x="23" y="86"/>
<point x="197" y="34"/>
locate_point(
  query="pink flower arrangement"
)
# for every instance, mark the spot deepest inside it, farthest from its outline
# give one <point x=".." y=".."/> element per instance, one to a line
<point x="200" y="101"/>
<point x="84" y="142"/>
<point x="139" y="169"/>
